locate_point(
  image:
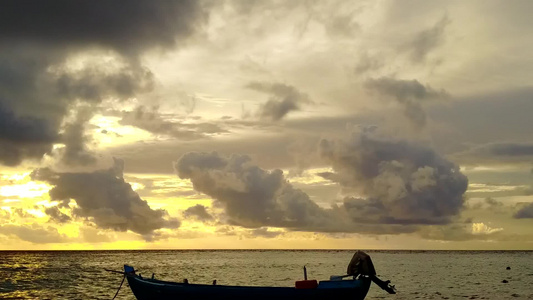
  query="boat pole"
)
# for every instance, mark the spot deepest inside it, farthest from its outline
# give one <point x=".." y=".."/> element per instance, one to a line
<point x="305" y="273"/>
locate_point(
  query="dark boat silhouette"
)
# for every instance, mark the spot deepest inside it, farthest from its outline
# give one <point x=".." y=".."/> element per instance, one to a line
<point x="360" y="269"/>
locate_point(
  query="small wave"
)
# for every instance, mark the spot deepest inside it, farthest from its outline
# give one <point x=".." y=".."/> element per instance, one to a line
<point x="10" y="269"/>
<point x="284" y="279"/>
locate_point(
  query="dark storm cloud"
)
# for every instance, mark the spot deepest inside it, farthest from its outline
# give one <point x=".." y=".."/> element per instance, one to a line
<point x="427" y="40"/>
<point x="409" y="93"/>
<point x="33" y="233"/>
<point x="25" y="129"/>
<point x="284" y="99"/>
<point x="422" y="189"/>
<point x="37" y="90"/>
<point x="75" y="139"/>
<point x="94" y="82"/>
<point x="252" y="197"/>
<point x="198" y="212"/>
<point x="151" y="120"/>
<point x="56" y="215"/>
<point x="526" y="212"/>
<point x="106" y="199"/>
<point x="65" y="100"/>
<point x="401" y="182"/>
<point x="127" y="28"/>
<point x="23" y="137"/>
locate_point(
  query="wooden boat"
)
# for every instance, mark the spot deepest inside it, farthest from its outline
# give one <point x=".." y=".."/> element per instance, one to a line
<point x="355" y="288"/>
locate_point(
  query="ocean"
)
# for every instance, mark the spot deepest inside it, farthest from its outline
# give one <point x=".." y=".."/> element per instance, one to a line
<point x="416" y="274"/>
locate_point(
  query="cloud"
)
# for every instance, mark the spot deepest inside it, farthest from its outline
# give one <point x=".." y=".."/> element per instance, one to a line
<point x="56" y="215"/>
<point x="459" y="124"/>
<point x="427" y="40"/>
<point x="106" y="199"/>
<point x="21" y="213"/>
<point x="485" y="129"/>
<point x="284" y="99"/>
<point x="303" y="152"/>
<point x="198" y="212"/>
<point x="127" y="29"/>
<point x="23" y="137"/>
<point x="338" y="19"/>
<point x="266" y="150"/>
<point x="33" y="233"/>
<point x="399" y="182"/>
<point x="368" y="63"/>
<point x="491" y="204"/>
<point x="92" y="235"/>
<point x="74" y="138"/>
<point x="462" y="232"/>
<point x="342" y="25"/>
<point x="482" y="228"/>
<point x="505" y="149"/>
<point x="409" y="93"/>
<point x="264" y="232"/>
<point x="42" y="77"/>
<point x="496" y="153"/>
<point x="252" y="197"/>
<point x="154" y="122"/>
<point x="404" y="187"/>
<point x="526" y="212"/>
<point x="160" y="186"/>
<point x="512" y="149"/>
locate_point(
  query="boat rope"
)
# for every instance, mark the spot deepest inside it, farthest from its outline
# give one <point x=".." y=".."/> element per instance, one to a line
<point x="120" y="286"/>
<point x="123" y="277"/>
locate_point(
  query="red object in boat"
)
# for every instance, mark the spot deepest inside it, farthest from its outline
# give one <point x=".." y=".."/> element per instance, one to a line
<point x="306" y="284"/>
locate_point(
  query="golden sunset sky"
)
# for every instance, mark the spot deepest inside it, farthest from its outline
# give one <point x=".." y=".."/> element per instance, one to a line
<point x="266" y="124"/>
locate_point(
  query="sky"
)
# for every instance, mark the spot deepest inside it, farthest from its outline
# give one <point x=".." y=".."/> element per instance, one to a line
<point x="266" y="124"/>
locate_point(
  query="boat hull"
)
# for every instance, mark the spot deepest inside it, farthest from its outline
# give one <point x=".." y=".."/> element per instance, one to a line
<point x="145" y="289"/>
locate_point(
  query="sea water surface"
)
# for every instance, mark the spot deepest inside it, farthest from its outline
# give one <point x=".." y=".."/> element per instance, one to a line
<point x="416" y="274"/>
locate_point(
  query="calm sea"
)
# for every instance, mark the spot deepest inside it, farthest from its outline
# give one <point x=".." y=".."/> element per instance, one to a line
<point x="416" y="274"/>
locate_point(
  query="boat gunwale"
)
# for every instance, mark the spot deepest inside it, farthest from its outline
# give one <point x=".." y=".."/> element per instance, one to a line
<point x="157" y="282"/>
